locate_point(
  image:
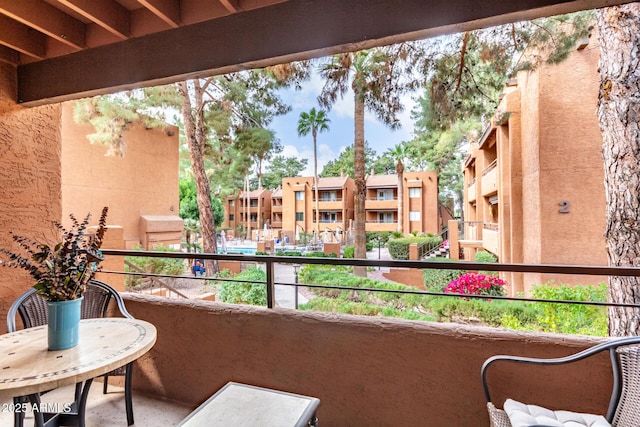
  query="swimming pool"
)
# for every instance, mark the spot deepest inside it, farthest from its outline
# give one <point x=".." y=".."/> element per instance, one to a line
<point x="239" y="249"/>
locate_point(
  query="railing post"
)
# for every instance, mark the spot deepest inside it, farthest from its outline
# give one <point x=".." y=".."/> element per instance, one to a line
<point x="271" y="295"/>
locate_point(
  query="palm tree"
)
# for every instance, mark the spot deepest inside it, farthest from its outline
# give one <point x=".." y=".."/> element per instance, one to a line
<point x="314" y="122"/>
<point x="376" y="77"/>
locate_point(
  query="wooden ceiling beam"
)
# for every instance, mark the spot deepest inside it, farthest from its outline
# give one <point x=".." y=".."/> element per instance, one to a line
<point x="47" y="19"/>
<point x="283" y="32"/>
<point x="19" y="37"/>
<point x="9" y="56"/>
<point x="233" y="6"/>
<point x="108" y="14"/>
<point x="167" y="10"/>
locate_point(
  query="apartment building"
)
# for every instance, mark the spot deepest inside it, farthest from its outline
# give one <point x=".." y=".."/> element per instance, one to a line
<point x="418" y="193"/>
<point x="534" y="188"/>
<point x="335" y="207"/>
<point x="248" y="213"/>
<point x="292" y="209"/>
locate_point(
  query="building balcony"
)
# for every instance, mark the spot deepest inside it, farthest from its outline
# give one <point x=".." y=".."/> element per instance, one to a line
<point x="277" y="209"/>
<point x="436" y="378"/>
<point x="276" y="224"/>
<point x="376" y="204"/>
<point x="336" y="205"/>
<point x="471" y="191"/>
<point x="490" y="179"/>
<point x="491" y="238"/>
<point x="378" y="226"/>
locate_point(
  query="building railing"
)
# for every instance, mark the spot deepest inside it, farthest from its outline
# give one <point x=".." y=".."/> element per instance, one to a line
<point x="384" y="221"/>
<point x="271" y="261"/>
<point x="491" y="166"/>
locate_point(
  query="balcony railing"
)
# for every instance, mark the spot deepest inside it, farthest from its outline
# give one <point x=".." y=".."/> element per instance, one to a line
<point x="315" y="353"/>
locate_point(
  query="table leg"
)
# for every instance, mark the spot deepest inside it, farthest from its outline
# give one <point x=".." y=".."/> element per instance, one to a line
<point x="76" y="416"/>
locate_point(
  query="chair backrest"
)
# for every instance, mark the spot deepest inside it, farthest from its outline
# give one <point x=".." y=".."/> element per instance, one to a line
<point x="32" y="308"/>
<point x="628" y="410"/>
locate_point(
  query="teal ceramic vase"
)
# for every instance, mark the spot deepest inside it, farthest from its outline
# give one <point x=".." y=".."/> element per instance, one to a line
<point x="64" y="323"/>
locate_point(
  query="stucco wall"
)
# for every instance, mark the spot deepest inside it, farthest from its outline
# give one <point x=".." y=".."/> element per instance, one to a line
<point x="143" y="182"/>
<point x="29" y="179"/>
<point x="571" y="165"/>
<point x="366" y="371"/>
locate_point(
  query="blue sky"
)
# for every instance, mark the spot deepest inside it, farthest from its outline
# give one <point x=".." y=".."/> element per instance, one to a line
<point x="340" y="134"/>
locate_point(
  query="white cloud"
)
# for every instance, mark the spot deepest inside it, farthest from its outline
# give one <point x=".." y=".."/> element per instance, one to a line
<point x="325" y="154"/>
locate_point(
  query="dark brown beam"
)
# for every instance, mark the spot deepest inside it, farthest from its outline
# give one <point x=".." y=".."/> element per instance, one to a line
<point x="287" y="31"/>
<point x="46" y="19"/>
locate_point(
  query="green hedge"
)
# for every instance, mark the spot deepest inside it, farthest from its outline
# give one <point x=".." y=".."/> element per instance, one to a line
<point x="399" y="248"/>
<point x="436" y="280"/>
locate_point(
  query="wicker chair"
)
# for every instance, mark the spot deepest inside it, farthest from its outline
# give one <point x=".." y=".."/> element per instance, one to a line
<point x="32" y="309"/>
<point x="624" y="405"/>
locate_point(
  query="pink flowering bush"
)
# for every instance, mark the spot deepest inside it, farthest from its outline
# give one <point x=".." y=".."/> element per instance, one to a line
<point x="476" y="284"/>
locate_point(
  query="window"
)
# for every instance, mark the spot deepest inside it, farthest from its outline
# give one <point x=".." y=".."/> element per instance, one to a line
<point x="232" y="202"/>
<point x="385" y="217"/>
<point x="329" y="196"/>
<point x="253" y="203"/>
<point x="230" y="217"/>
<point x="299" y="216"/>
<point x="385" y="194"/>
<point x="414" y="216"/>
<point x="299" y="195"/>
<point x="414" y="192"/>
<point x="328" y="217"/>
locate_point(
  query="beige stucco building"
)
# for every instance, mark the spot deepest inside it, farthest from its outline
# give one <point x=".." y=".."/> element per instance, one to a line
<point x="292" y="207"/>
<point x="534" y="189"/>
<point x="140" y="188"/>
<point x="254" y="206"/>
<point x="419" y="195"/>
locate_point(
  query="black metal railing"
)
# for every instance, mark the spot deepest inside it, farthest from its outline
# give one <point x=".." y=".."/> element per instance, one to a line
<point x="271" y="261"/>
<point x="425" y="249"/>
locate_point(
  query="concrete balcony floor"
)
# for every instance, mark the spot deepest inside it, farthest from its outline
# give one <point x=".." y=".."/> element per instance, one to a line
<point x="108" y="410"/>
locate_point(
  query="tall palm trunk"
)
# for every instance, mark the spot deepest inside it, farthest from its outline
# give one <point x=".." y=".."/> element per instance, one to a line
<point x="315" y="183"/>
<point x="400" y="173"/>
<point x="196" y="140"/>
<point x="360" y="249"/>
<point x="619" y="117"/>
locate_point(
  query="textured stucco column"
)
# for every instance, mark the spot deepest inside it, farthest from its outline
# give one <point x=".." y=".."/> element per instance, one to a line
<point x="30" y="190"/>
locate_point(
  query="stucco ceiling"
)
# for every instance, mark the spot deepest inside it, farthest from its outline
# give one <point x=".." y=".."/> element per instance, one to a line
<point x="65" y="49"/>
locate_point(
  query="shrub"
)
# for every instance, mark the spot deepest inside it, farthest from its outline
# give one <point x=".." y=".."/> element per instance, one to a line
<point x="484" y="256"/>
<point x="572" y="318"/>
<point x="476" y="284"/>
<point x="288" y="253"/>
<point x="173" y="266"/>
<point x="436" y="280"/>
<point x="349" y="252"/>
<point x="245" y="292"/>
<point x="399" y="248"/>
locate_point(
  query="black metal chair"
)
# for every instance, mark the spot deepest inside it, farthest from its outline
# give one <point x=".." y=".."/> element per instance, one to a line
<point x="624" y="405"/>
<point x="32" y="309"/>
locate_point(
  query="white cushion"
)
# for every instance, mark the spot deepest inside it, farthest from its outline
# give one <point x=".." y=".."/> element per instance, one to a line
<point x="522" y="415"/>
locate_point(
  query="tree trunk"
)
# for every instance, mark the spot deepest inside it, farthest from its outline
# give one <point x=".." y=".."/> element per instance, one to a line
<point x="315" y="183"/>
<point x="400" y="173"/>
<point x="196" y="138"/>
<point x="360" y="246"/>
<point x="619" y="115"/>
